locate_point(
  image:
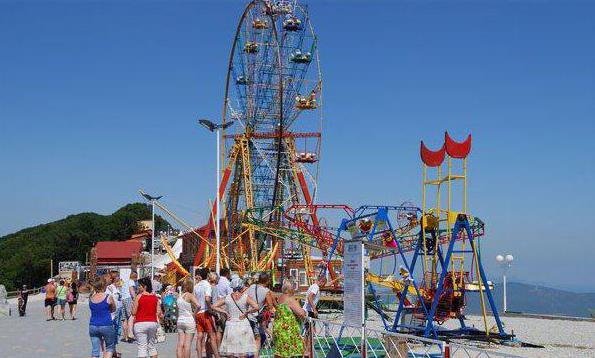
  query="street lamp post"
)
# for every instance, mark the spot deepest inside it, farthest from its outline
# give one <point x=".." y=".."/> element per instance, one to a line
<point x="505" y="262"/>
<point x="152" y="199"/>
<point x="216" y="128"/>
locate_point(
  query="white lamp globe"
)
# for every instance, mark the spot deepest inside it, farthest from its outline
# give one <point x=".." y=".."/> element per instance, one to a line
<point x="509" y="258"/>
<point x="499" y="258"/>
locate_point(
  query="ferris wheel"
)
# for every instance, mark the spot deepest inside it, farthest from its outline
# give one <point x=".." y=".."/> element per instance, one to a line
<point x="273" y="94"/>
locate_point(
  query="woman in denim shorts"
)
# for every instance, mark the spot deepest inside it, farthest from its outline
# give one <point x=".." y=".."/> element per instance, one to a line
<point x="101" y="327"/>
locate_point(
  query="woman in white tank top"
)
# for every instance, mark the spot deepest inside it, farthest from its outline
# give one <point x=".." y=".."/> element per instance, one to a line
<point x="187" y="305"/>
<point x="238" y="338"/>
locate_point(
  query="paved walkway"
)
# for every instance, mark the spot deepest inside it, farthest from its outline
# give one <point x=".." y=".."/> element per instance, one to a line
<point x="33" y="337"/>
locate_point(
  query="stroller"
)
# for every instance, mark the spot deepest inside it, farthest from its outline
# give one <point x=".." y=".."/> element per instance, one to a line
<point x="170" y="313"/>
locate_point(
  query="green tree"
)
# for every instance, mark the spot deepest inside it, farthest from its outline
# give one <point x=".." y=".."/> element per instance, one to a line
<point x="25" y="256"/>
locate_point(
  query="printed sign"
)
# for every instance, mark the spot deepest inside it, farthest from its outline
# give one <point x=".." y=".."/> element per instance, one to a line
<point x="353" y="290"/>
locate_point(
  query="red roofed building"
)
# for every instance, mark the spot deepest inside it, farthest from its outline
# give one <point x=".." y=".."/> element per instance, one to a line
<point x="117" y="252"/>
<point x="110" y="255"/>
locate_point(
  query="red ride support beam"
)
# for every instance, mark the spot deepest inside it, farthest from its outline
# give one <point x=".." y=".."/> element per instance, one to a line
<point x="307" y="197"/>
<point x="315" y="222"/>
<point x="273" y="135"/>
<point x="201" y="249"/>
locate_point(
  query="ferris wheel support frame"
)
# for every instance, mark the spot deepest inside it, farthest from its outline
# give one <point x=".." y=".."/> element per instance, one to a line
<point x="281" y="134"/>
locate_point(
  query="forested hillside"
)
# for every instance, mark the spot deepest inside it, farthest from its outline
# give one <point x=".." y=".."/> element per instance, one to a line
<point x="25" y="255"/>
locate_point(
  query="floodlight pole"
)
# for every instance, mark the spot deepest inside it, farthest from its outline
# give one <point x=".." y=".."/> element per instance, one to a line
<point x="152" y="238"/>
<point x="151" y="199"/>
<point x="216" y="128"/>
<point x="218" y="213"/>
<point x="504" y="293"/>
<point x="505" y="262"/>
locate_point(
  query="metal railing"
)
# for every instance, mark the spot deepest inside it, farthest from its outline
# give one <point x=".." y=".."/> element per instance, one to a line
<point x="462" y="350"/>
<point x="335" y="340"/>
<point x="13" y="294"/>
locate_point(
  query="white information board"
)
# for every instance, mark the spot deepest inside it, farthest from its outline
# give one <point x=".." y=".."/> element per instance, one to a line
<point x="69" y="266"/>
<point x="353" y="287"/>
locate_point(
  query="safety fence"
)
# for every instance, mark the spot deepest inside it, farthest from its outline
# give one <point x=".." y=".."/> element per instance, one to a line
<point x="466" y="351"/>
<point x="329" y="339"/>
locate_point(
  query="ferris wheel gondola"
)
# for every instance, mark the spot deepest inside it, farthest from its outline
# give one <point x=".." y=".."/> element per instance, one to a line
<point x="292" y="24"/>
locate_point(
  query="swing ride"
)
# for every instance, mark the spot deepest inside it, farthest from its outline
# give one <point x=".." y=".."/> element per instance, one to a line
<point x="433" y="253"/>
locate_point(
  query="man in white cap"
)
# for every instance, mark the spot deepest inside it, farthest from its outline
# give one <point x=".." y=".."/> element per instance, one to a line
<point x="50" y="299"/>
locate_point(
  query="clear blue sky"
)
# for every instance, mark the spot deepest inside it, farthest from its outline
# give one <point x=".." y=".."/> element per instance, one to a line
<point x="99" y="99"/>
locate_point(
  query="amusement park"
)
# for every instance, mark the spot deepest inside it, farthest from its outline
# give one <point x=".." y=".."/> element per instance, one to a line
<point x="418" y="263"/>
<point x="391" y="278"/>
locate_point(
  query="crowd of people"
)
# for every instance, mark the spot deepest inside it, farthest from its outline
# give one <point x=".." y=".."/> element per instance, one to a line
<point x="57" y="296"/>
<point x="220" y="315"/>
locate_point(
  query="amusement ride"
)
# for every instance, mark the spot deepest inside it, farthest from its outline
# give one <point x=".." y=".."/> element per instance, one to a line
<point x="271" y="155"/>
<point x="433" y="253"/>
<point x="428" y="259"/>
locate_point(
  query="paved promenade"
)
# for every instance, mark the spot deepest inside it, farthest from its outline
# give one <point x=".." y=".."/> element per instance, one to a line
<point x="33" y="337"/>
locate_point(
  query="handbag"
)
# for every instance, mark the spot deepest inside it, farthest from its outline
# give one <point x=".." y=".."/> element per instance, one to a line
<point x="69" y="297"/>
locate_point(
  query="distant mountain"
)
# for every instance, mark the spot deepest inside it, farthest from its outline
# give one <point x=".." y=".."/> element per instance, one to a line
<point x="25" y="255"/>
<point x="538" y="299"/>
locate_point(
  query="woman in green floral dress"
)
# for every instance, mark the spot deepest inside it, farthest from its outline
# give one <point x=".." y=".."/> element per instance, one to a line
<point x="286" y="326"/>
